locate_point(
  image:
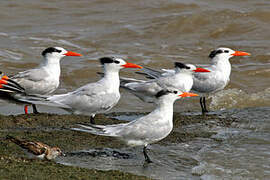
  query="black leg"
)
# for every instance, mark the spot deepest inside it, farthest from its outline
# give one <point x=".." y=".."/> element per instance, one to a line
<point x="201" y="103"/>
<point x="204" y="104"/>
<point x="35" y="111"/>
<point x="92" y="119"/>
<point x="146" y="157"/>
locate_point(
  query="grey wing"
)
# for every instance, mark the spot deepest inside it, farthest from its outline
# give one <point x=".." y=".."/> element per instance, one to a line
<point x="171" y="82"/>
<point x="207" y="82"/>
<point x="168" y="72"/>
<point x="31" y="75"/>
<point x="107" y="130"/>
<point x="36" y="81"/>
<point x="150" y="88"/>
<point x="151" y="73"/>
<point x="89" y="99"/>
<point x="134" y="130"/>
<point x="126" y="80"/>
<point x="139" y="130"/>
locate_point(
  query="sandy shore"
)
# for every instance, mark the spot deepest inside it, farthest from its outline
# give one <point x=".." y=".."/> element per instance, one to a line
<point x="54" y="130"/>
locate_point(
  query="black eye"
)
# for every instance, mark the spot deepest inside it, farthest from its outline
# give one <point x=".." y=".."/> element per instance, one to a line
<point x="226" y="51"/>
<point x="175" y="92"/>
<point x="116" y="62"/>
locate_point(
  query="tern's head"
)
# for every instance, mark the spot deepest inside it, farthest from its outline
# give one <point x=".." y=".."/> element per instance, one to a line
<point x="115" y="64"/>
<point x="173" y="94"/>
<point x="226" y="53"/>
<point x="57" y="53"/>
<point x="188" y="68"/>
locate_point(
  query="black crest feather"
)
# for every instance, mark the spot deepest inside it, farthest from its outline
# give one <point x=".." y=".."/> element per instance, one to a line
<point x="181" y="65"/>
<point x="104" y="60"/>
<point x="214" y="53"/>
<point x="162" y="93"/>
<point x="50" y="50"/>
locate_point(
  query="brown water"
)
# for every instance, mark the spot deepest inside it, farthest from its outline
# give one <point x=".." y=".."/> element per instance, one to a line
<point x="153" y="33"/>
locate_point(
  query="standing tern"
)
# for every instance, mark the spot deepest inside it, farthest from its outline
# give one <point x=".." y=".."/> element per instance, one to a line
<point x="219" y="77"/>
<point x="44" y="79"/>
<point x="147" y="129"/>
<point x="179" y="78"/>
<point x="90" y="99"/>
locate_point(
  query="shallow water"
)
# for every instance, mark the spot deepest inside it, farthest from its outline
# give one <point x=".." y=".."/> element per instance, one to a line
<point x="152" y="33"/>
<point x="244" y="149"/>
<point x="156" y="34"/>
<point x="236" y="152"/>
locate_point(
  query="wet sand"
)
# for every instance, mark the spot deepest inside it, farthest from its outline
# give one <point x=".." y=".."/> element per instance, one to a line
<point x="54" y="130"/>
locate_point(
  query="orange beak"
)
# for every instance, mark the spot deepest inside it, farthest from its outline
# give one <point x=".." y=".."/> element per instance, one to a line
<point x="130" y="65"/>
<point x="5" y="77"/>
<point x="70" y="53"/>
<point x="187" y="94"/>
<point x="240" y="53"/>
<point x="201" y="70"/>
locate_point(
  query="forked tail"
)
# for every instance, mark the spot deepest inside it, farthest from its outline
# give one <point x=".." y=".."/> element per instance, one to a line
<point x="9" y="86"/>
<point x="9" y="89"/>
<point x="109" y="130"/>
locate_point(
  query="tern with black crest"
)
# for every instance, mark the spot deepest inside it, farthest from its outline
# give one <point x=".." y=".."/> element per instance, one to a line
<point x="218" y="78"/>
<point x="147" y="129"/>
<point x="92" y="98"/>
<point x="180" y="78"/>
<point x="42" y="80"/>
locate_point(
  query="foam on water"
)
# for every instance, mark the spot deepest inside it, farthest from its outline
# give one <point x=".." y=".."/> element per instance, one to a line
<point x="237" y="98"/>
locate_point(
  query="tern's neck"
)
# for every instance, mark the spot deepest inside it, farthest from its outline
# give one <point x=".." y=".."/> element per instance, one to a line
<point x="165" y="106"/>
<point x="223" y="65"/>
<point x="52" y="65"/>
<point x="111" y="78"/>
<point x="51" y="61"/>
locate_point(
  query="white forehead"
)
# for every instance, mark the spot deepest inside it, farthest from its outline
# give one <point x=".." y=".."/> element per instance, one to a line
<point x="122" y="61"/>
<point x="224" y="48"/>
<point x="192" y="67"/>
<point x="60" y="48"/>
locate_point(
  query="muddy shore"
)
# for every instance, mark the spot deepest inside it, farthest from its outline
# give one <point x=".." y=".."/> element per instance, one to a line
<point x="54" y="130"/>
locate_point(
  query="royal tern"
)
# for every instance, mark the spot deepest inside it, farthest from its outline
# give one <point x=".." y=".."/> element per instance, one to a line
<point x="179" y="78"/>
<point x="44" y="79"/>
<point x="144" y="130"/>
<point x="92" y="98"/>
<point x="37" y="149"/>
<point x="219" y="77"/>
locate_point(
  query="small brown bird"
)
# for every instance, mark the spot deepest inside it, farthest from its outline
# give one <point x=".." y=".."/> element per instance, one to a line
<point x="37" y="149"/>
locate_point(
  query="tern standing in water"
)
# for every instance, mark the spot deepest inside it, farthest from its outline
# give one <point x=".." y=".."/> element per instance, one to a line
<point x="218" y="78"/>
<point x="144" y="130"/>
<point x="180" y="78"/>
